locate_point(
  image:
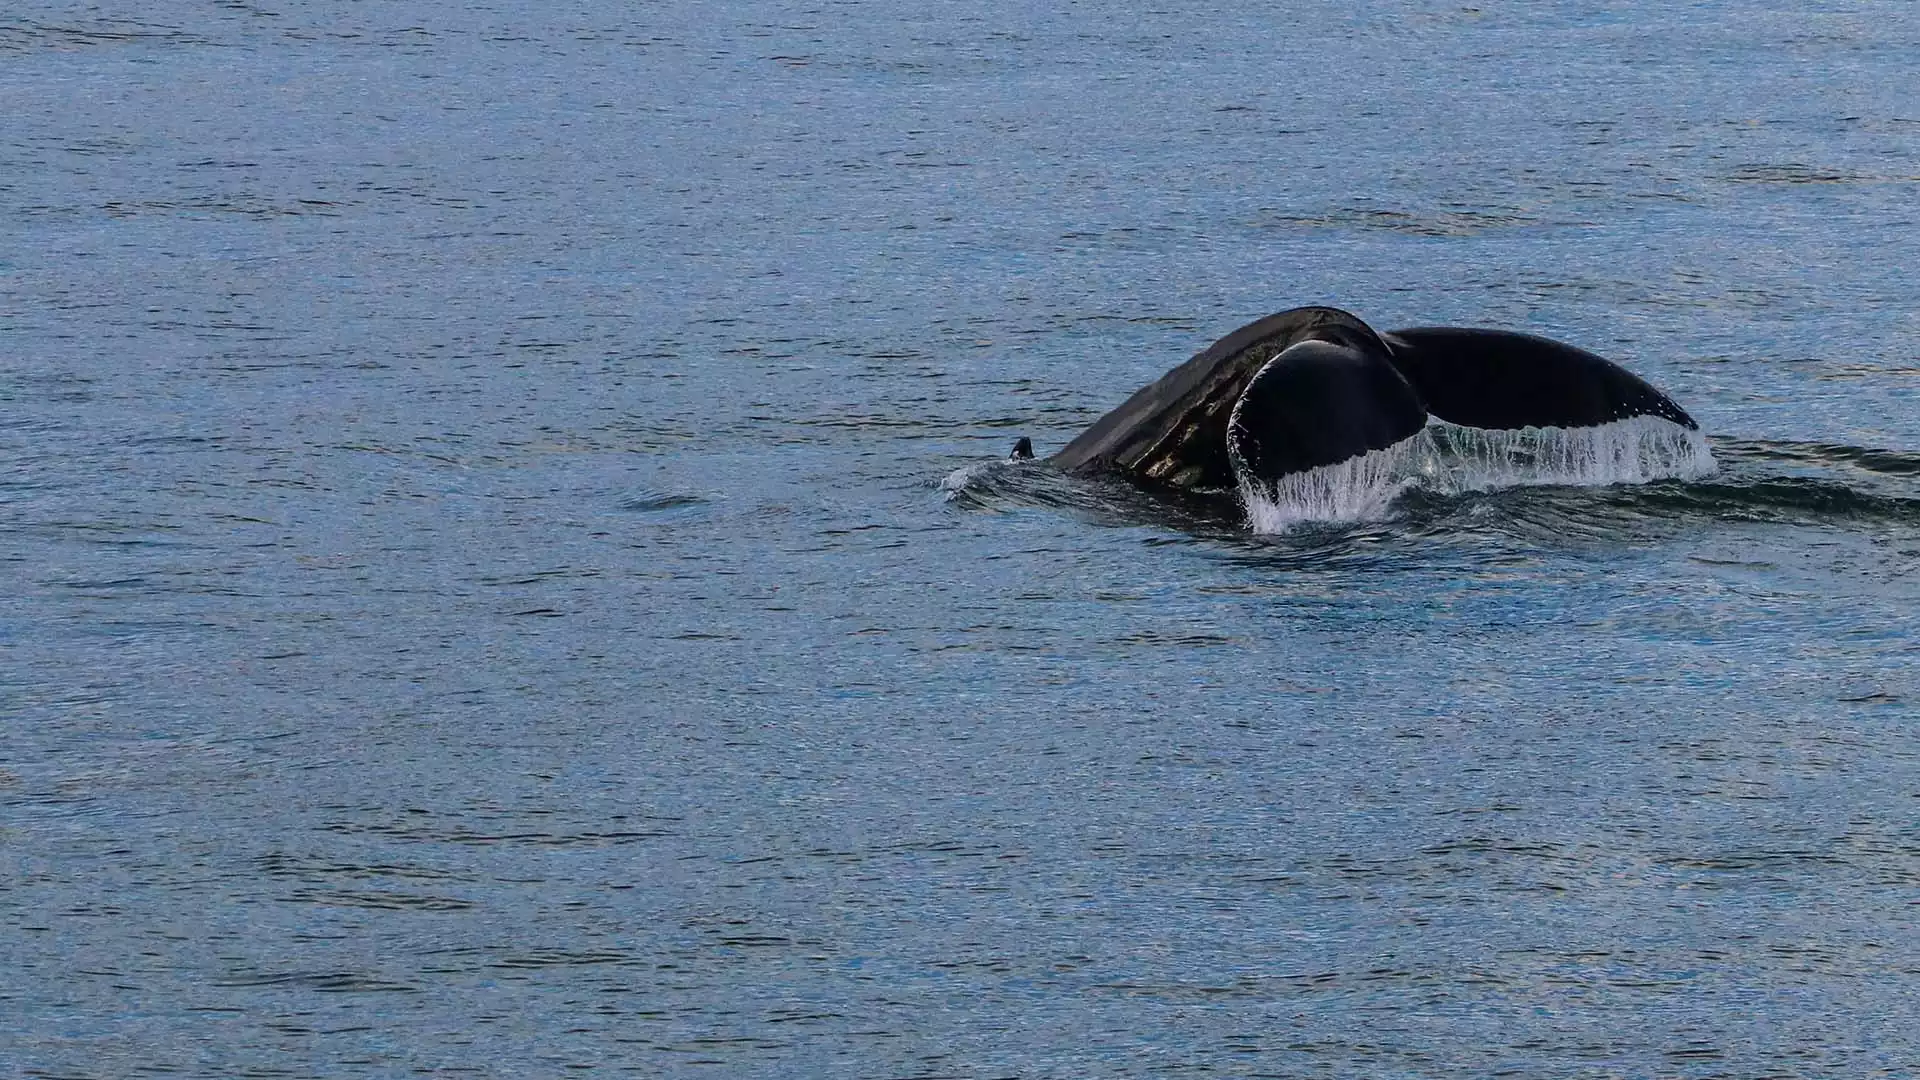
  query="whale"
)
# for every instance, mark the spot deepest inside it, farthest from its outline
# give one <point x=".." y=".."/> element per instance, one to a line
<point x="1314" y="389"/>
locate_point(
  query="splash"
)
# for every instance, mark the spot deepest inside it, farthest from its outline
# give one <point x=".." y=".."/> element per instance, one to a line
<point x="1357" y="489"/>
<point x="1636" y="450"/>
<point x="961" y="480"/>
<point x="1448" y="460"/>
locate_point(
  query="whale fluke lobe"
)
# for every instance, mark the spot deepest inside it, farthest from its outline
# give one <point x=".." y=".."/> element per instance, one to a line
<point x="1319" y="404"/>
<point x="1502" y="380"/>
<point x="1310" y="414"/>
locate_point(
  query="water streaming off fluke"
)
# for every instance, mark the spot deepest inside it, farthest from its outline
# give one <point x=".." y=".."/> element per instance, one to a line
<point x="1446" y="459"/>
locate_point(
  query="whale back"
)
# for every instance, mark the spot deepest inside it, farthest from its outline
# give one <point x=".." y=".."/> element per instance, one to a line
<point x="1174" y="430"/>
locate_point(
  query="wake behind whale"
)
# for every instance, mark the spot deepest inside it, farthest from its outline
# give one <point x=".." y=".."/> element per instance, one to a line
<point x="1310" y="415"/>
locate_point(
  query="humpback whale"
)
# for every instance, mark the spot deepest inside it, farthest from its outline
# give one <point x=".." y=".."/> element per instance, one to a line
<point x="1291" y="399"/>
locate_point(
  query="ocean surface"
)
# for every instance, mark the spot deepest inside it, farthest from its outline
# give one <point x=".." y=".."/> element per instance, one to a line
<point x="502" y="571"/>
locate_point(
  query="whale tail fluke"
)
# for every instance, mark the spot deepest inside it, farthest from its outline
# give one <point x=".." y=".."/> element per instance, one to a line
<point x="1319" y="404"/>
<point x="1313" y="415"/>
<point x="1502" y="380"/>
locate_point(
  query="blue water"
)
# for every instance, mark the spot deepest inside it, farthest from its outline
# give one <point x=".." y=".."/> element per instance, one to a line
<point x="480" y="595"/>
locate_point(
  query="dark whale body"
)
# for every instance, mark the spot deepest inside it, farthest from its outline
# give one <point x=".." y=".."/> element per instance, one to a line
<point x="1315" y="386"/>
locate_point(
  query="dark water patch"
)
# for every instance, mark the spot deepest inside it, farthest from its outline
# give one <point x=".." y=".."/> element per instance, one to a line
<point x="1875" y="697"/>
<point x="280" y="865"/>
<point x="110" y="535"/>
<point x="1812" y="174"/>
<point x="1770" y="862"/>
<point x="109" y="585"/>
<point x="1437" y="223"/>
<point x="1174" y="639"/>
<point x="536" y="839"/>
<point x="57" y="803"/>
<point x="93" y="33"/>
<point x="324" y="982"/>
<point x="559" y="573"/>
<point x="379" y="901"/>
<point x="662" y="502"/>
<point x="1795" y="500"/>
<point x="237" y="203"/>
<point x="1822" y="455"/>
<point x="561" y="958"/>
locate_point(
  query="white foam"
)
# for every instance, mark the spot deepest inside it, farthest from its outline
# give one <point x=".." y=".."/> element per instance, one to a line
<point x="963" y="477"/>
<point x="971" y="478"/>
<point x="1448" y="460"/>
